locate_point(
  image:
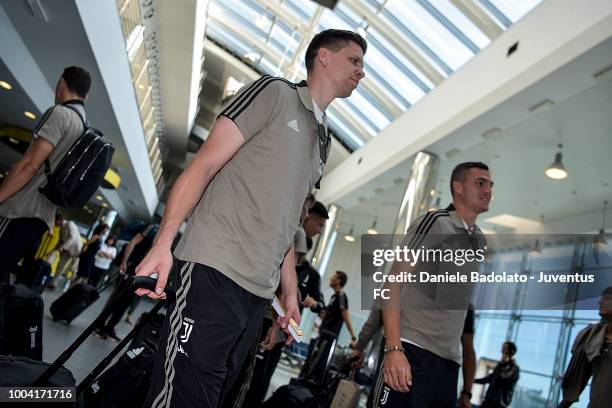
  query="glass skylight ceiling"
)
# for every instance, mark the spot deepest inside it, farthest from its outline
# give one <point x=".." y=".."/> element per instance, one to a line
<point x="413" y="45"/>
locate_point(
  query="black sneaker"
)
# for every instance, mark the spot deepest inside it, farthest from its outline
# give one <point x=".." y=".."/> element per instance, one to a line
<point x="113" y="336"/>
<point x="99" y="333"/>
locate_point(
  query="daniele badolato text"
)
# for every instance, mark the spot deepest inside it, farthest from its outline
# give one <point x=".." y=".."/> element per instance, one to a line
<point x="468" y="269"/>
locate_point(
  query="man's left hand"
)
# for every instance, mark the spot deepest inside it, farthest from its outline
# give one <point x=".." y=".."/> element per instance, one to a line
<point x="291" y="311"/>
<point x="464" y="401"/>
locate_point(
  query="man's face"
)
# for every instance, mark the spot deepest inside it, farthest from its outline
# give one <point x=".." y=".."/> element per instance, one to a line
<point x="333" y="280"/>
<point x="313" y="225"/>
<point x="505" y="349"/>
<point x="345" y="68"/>
<point x="475" y="190"/>
<point x="605" y="306"/>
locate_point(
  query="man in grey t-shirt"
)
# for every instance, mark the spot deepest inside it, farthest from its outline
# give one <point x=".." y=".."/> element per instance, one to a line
<point x="25" y="213"/>
<point x="423" y="334"/>
<point x="244" y="192"/>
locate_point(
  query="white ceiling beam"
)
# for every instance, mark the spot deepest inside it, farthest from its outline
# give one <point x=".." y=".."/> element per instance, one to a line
<point x="264" y="48"/>
<point x="397" y="39"/>
<point x="479" y="17"/>
<point x="284" y="15"/>
<point x="349" y="118"/>
<point x="382" y="98"/>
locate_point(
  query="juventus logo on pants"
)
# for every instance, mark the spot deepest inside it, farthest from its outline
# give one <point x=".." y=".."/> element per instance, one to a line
<point x="188" y="324"/>
<point x="385" y="396"/>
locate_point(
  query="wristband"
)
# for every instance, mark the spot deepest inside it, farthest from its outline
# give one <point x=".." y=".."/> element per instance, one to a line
<point x="394" y="348"/>
<point x="465" y="392"/>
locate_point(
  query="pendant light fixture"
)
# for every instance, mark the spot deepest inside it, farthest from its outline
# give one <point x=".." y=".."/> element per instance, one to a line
<point x="350" y="237"/>
<point x="602" y="240"/>
<point x="372" y="230"/>
<point x="556" y="171"/>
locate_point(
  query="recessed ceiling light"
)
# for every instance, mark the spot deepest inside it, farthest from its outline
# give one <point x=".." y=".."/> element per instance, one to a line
<point x="99" y="198"/>
<point x="492" y="134"/>
<point x="6" y="85"/>
<point x="104" y="205"/>
<point x="453" y="152"/>
<point x="541" y="106"/>
<point x="12" y="140"/>
<point x="29" y="115"/>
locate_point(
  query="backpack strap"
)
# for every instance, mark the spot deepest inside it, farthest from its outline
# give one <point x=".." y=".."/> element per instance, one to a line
<point x="75" y="110"/>
<point x="86" y="126"/>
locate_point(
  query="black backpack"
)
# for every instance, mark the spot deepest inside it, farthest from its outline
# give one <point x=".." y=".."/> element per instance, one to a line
<point x="81" y="171"/>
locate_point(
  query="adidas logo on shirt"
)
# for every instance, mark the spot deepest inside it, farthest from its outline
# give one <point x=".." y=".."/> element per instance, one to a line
<point x="293" y="125"/>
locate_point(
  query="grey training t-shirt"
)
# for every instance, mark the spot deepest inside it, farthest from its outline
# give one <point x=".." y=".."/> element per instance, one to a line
<point x="425" y="320"/>
<point x="61" y="126"/>
<point x="247" y="217"/>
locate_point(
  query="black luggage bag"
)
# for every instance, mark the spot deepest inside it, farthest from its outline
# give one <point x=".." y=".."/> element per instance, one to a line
<point x="126" y="383"/>
<point x="35" y="275"/>
<point x="301" y="393"/>
<point x="24" y="320"/>
<point x="22" y="372"/>
<point x="73" y="302"/>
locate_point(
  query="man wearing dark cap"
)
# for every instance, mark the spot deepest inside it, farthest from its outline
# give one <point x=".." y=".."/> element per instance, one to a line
<point x="244" y="193"/>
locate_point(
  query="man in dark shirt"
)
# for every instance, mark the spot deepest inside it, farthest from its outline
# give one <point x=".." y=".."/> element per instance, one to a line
<point x="336" y="313"/>
<point x="134" y="253"/>
<point x="591" y="360"/>
<point x="502" y="380"/>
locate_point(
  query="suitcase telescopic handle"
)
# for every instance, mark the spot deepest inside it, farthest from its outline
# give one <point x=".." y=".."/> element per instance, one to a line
<point x="145" y="282"/>
<point x="131" y="284"/>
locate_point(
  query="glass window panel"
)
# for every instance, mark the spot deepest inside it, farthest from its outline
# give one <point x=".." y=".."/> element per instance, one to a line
<point x="375" y="116"/>
<point x="219" y="33"/>
<point x="600" y="257"/>
<point x="269" y="67"/>
<point x="429" y="30"/>
<point x="393" y="75"/>
<point x="242" y="18"/>
<point x="330" y="20"/>
<point x="387" y="89"/>
<point x="349" y="135"/>
<point x="553" y="259"/>
<point x="531" y="390"/>
<point x="489" y="336"/>
<point x="399" y="56"/>
<point x="591" y="316"/>
<point x="300" y="8"/>
<point x="515" y="9"/>
<point x="356" y="19"/>
<point x="536" y="343"/>
<point x="284" y="42"/>
<point x="461" y="22"/>
<point x="347" y="108"/>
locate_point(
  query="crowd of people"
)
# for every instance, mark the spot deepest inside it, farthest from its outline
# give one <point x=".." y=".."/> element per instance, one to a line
<point x="251" y="221"/>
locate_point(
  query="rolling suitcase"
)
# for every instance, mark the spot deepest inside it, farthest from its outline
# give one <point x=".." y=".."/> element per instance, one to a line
<point x="73" y="302"/>
<point x="24" y="321"/>
<point x="126" y="383"/>
<point x="24" y="372"/>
